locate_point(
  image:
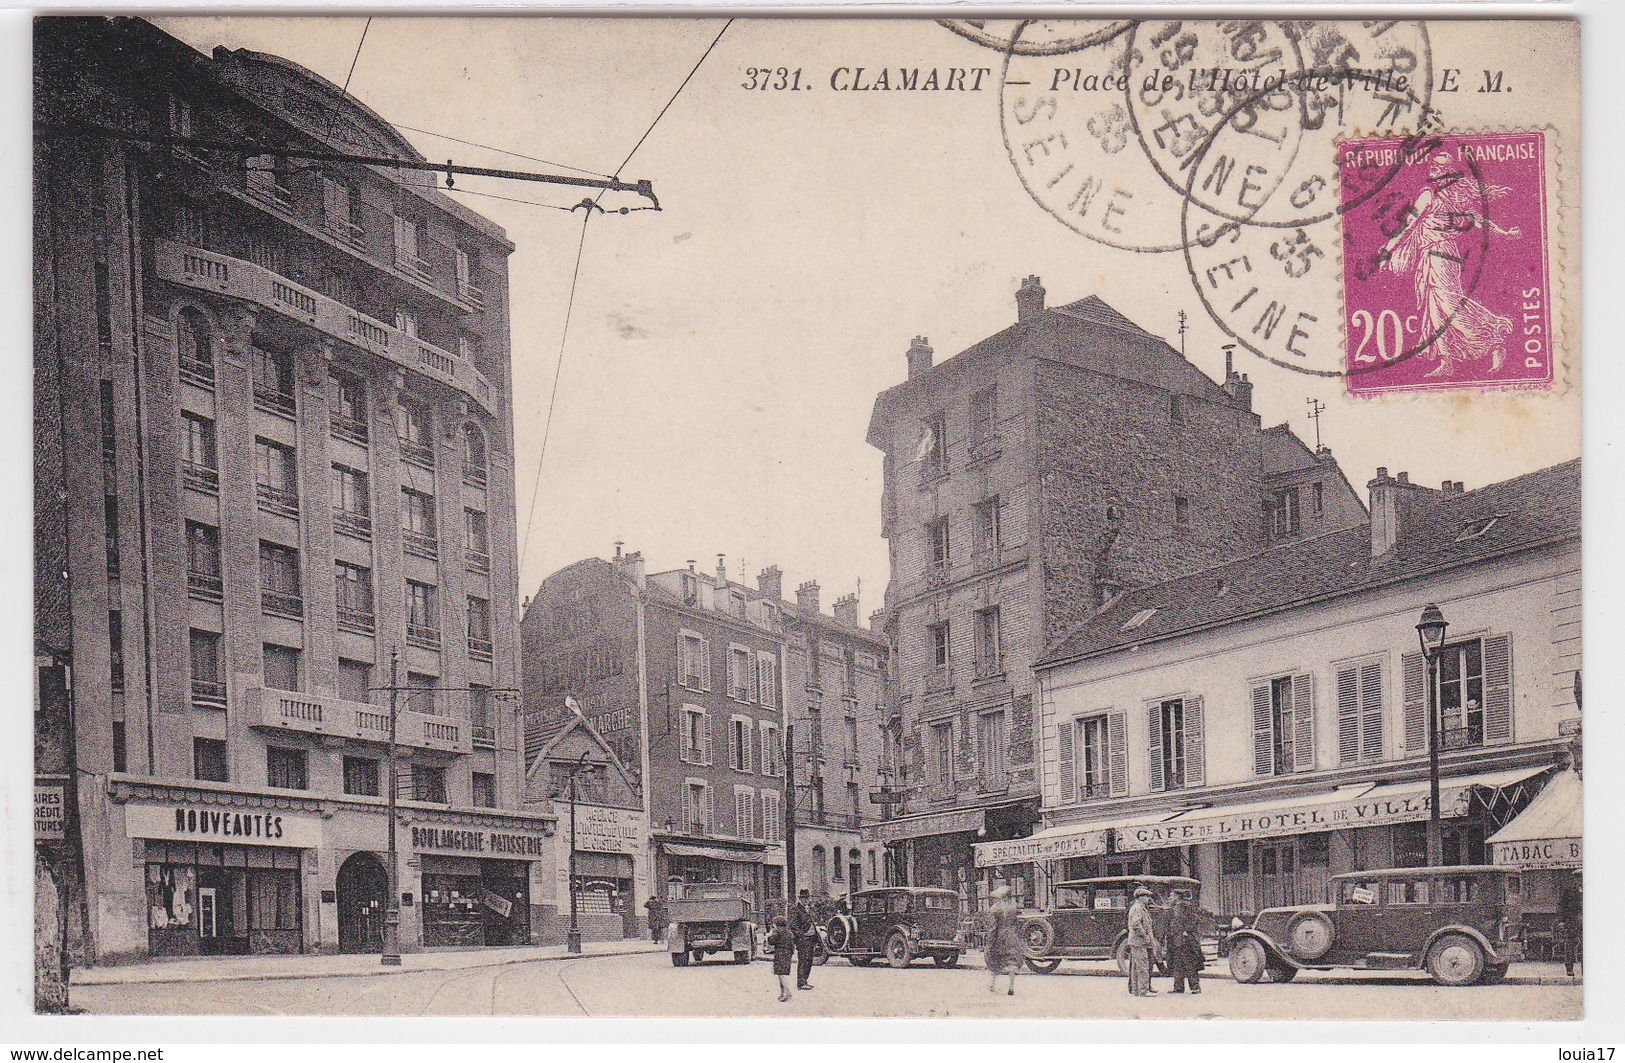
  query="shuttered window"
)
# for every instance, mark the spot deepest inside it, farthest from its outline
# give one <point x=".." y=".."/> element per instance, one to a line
<point x="772" y="817"/>
<point x="1359" y="712"/>
<point x="1117" y="735"/>
<point x="1066" y="752"/>
<point x="1176" y="739"/>
<point x="1414" y="669"/>
<point x="744" y="812"/>
<point x="1283" y="725"/>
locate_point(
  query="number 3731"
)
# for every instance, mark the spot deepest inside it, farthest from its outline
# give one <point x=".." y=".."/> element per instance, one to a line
<point x="777" y="79"/>
<point x="1386" y="331"/>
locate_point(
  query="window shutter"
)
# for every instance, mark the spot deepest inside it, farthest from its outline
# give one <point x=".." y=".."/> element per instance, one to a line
<point x="688" y="809"/>
<point x="1067" y="760"/>
<point x="687" y="747"/>
<point x="734" y="752"/>
<point x="754" y="691"/>
<point x="1154" y="731"/>
<point x="703" y="649"/>
<point x="1117" y="758"/>
<point x="1263" y="758"/>
<point x="741" y="814"/>
<point x="710" y="811"/>
<point x="1371" y="710"/>
<point x="682" y="661"/>
<point x="1348" y="715"/>
<point x="1497" y="689"/>
<point x="1303" y="723"/>
<point x="1195" y="770"/>
<point x="1416" y="711"/>
<point x="748" y="734"/>
<point x="705" y="738"/>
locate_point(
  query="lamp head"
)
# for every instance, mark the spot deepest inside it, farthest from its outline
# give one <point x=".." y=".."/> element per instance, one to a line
<point x="1430" y="630"/>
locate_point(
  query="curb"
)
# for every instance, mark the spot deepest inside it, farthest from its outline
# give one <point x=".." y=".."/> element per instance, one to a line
<point x="379" y="971"/>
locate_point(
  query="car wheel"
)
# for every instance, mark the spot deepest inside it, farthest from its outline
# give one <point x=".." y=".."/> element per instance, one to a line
<point x="897" y="951"/>
<point x="1038" y="935"/>
<point x="1455" y="959"/>
<point x="1039" y="966"/>
<point x="679" y="959"/>
<point x="838" y="934"/>
<point x="1309" y="935"/>
<point x="1247" y="961"/>
<point x="1494" y="975"/>
<point x="1120" y="955"/>
<point x="1282" y="972"/>
<point x="697" y="956"/>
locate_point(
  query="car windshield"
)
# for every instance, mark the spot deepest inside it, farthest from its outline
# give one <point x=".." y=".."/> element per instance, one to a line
<point x="1071" y="897"/>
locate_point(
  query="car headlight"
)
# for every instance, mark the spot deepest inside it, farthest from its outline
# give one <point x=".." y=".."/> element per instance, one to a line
<point x="1236" y="923"/>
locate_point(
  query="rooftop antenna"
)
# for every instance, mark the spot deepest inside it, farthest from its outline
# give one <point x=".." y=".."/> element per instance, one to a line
<point x="1182" y="331"/>
<point x="1229" y="350"/>
<point x="1316" y="408"/>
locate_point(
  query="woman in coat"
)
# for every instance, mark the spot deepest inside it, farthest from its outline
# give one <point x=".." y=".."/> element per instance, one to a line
<point x="1004" y="949"/>
<point x="783" y="944"/>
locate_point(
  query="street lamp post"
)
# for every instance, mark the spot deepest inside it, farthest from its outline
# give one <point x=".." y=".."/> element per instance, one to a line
<point x="572" y="940"/>
<point x="391" y="955"/>
<point x="1430" y="633"/>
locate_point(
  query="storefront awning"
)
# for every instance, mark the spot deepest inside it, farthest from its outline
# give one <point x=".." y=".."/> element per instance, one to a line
<point x="1062" y="842"/>
<point x="737" y="856"/>
<point x="1548" y="832"/>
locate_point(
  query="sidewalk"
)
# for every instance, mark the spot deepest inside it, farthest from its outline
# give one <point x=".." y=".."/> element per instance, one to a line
<point x="1518" y="974"/>
<point x="246" y="968"/>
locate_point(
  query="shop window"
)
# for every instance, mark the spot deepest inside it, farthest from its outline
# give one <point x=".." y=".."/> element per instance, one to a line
<point x="361" y="776"/>
<point x="484" y="790"/>
<point x="1410" y="845"/>
<point x="429" y="784"/>
<point x="1315" y="849"/>
<point x="286" y="768"/>
<point x="1233" y="858"/>
<point x="273" y="901"/>
<point x="209" y="760"/>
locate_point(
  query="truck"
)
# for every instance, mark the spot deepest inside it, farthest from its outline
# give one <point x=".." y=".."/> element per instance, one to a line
<point x="710" y="917"/>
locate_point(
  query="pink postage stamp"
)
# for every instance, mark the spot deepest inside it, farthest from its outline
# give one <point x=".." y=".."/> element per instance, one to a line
<point x="1445" y="277"/>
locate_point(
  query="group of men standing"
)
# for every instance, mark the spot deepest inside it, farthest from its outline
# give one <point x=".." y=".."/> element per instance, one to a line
<point x="1181" y="953"/>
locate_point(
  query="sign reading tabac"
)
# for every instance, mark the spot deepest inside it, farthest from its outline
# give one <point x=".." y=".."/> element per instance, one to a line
<point x="1547" y="852"/>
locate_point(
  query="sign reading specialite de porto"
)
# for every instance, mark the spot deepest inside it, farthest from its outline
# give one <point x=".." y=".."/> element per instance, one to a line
<point x="1029" y="850"/>
<point x="197" y="822"/>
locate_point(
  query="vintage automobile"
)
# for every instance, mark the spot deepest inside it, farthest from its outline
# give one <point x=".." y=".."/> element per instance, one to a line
<point x="710" y="917"/>
<point x="1088" y="919"/>
<point x="898" y="924"/>
<point x="1463" y="925"/>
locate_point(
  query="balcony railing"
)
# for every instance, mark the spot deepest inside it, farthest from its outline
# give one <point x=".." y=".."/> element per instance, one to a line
<point x="993" y="781"/>
<point x="345" y="230"/>
<point x="223" y="274"/>
<point x="201" y="477"/>
<point x="203" y="585"/>
<point x="352" y="428"/>
<point x="277" y="500"/>
<point x="471" y="295"/>
<point x="282" y="603"/>
<point x="477" y="561"/>
<point x="479" y="649"/>
<point x="209" y="692"/>
<point x="420" y="544"/>
<point x="320" y="714"/>
<point x="418" y="453"/>
<point x="413" y="266"/>
<point x="474" y="474"/>
<point x="484" y="736"/>
<point x="278" y="402"/>
<point x="358" y="621"/>
<point x="358" y="525"/>
<point x="1451" y="738"/>
<point x="422" y="635"/>
<point x="198" y="373"/>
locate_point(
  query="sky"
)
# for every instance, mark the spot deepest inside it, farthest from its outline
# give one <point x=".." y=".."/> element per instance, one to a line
<point x="723" y="355"/>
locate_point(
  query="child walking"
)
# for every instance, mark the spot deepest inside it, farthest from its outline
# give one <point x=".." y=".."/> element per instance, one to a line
<point x="783" y="944"/>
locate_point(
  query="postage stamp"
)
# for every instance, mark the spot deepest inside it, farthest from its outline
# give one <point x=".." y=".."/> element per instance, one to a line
<point x="1445" y="270"/>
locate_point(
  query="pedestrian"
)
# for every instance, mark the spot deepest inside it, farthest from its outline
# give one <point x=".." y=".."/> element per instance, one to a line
<point x="657" y="918"/>
<point x="783" y="944"/>
<point x="1004" y="951"/>
<point x="1184" y="944"/>
<point x="805" y="927"/>
<point x="1570" y="931"/>
<point x="1142" y="944"/>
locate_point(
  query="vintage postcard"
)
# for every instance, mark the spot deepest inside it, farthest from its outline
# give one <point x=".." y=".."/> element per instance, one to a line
<point x="561" y="516"/>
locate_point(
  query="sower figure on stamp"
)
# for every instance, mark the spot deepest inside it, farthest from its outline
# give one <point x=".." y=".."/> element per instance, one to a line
<point x="805" y="927"/>
<point x="1184" y="944"/>
<point x="1142" y="944"/>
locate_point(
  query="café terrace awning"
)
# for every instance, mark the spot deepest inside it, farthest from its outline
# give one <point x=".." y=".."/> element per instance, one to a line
<point x="1548" y="832"/>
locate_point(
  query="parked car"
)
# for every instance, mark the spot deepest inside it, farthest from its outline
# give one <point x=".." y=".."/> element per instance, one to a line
<point x="1463" y="925"/>
<point x="710" y="917"/>
<point x="1088" y="919"/>
<point x="898" y="924"/>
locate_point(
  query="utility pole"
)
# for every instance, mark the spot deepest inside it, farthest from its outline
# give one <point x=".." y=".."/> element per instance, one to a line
<point x="391" y="956"/>
<point x="789" y="817"/>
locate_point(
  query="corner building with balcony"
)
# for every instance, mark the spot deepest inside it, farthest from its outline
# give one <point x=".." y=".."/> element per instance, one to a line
<point x="1028" y="480"/>
<point x="289" y="381"/>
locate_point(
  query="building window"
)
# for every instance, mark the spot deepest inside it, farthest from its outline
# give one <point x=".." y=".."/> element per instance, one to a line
<point x="268" y="177"/>
<point x="1182" y="511"/>
<point x="1317" y="498"/>
<point x="355" y="681"/>
<point x="115" y="649"/>
<point x="417" y="433"/>
<point x="936" y="537"/>
<point x="989" y="535"/>
<point x="279" y="580"/>
<point x="349" y="408"/>
<point x="209" y="760"/>
<point x="1461" y="695"/>
<point x="874" y="869"/>
<point x="696" y="662"/>
<point x="273" y="382"/>
<point x="744" y="812"/>
<point x="474" y="463"/>
<point x="286" y="768"/>
<point x="837" y="874"/>
<point x="940" y="648"/>
<point x="208" y="688"/>
<point x="697" y="807"/>
<point x="989" y="643"/>
<point x="467" y="264"/>
<point x="479" y="714"/>
<point x="990" y="747"/>
<point x="1281" y="724"/>
<point x="196" y="349"/>
<point x="280" y="667"/>
<point x="338" y="212"/>
<point x="406" y="249"/>
<point x="361" y="776"/>
<point x="203" y="561"/>
<point x="421" y="693"/>
<point x="942" y="753"/>
<point x="1359" y="712"/>
<point x="739" y="673"/>
<point x="276" y="477"/>
<point x="850" y="758"/>
<point x="476" y="540"/>
<point x="104" y="310"/>
<point x="199" y="462"/>
<point x="740" y="735"/>
<point x="484" y="790"/>
<point x="1283" y="514"/>
<point x="1093" y="776"/>
<point x="767" y="673"/>
<point x="352" y="505"/>
<point x="429" y="784"/>
<point x="983" y="416"/>
<point x="110" y="535"/>
<point x="934" y="449"/>
<point x="479" y="628"/>
<point x="772" y="816"/>
<point x="1168" y="745"/>
<point x="696" y="735"/>
<point x="1176" y="408"/>
<point x="418" y="523"/>
<point x="353" y="584"/>
<point x="772" y="751"/>
<point x="121" y="756"/>
<point x="422" y="618"/>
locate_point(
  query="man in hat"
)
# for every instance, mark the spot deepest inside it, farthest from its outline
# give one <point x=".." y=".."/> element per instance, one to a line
<point x="805" y="928"/>
<point x="1142" y="944"/>
<point x="1184" y="943"/>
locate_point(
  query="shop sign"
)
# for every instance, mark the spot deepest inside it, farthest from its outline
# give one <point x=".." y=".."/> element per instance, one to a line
<point x="1378" y="811"/>
<point x="1550" y="852"/>
<point x="50" y="813"/>
<point x="970" y="819"/>
<point x="1031" y="850"/>
<point x="601" y="829"/>
<point x="478" y="841"/>
<point x="188" y="822"/>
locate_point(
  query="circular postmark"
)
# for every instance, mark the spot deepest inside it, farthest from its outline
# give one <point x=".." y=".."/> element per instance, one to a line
<point x="1048" y="37"/>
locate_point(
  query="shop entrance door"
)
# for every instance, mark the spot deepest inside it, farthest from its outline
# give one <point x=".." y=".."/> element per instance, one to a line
<point x="208" y="915"/>
<point x="362" y="889"/>
<point x="1277" y="874"/>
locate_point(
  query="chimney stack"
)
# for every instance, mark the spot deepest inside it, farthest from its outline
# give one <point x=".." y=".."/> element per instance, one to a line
<point x="630" y="565"/>
<point x="846" y="609"/>
<point x="807" y="596"/>
<point x="770" y="581"/>
<point x="1393" y="504"/>
<point x="722" y="569"/>
<point x="919" y="357"/>
<point x="1029" y="300"/>
<point x="1236" y="385"/>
